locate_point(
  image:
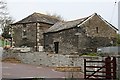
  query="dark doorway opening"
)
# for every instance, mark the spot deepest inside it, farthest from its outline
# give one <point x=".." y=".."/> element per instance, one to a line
<point x="56" y="47"/>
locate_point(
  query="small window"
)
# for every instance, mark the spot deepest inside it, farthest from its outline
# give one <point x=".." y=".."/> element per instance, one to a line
<point x="96" y="29"/>
<point x="24" y="25"/>
<point x="24" y="33"/>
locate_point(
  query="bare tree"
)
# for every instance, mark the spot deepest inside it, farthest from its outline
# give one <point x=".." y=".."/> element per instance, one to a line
<point x="59" y="17"/>
<point x="5" y="19"/>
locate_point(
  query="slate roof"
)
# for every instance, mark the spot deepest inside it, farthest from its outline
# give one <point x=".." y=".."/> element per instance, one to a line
<point x="38" y="17"/>
<point x="70" y="24"/>
<point x="65" y="25"/>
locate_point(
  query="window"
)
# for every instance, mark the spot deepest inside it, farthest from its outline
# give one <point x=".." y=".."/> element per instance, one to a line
<point x="96" y="29"/>
<point x="24" y="25"/>
<point x="24" y="33"/>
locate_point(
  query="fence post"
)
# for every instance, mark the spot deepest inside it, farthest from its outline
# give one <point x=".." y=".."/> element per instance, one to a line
<point x="84" y="68"/>
<point x="108" y="67"/>
<point x="114" y="67"/>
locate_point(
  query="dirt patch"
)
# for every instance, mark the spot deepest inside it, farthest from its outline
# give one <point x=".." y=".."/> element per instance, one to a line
<point x="11" y="60"/>
<point x="68" y="69"/>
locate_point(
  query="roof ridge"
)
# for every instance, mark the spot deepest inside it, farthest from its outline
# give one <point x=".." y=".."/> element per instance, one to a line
<point x="34" y="17"/>
<point x="45" y="15"/>
<point x="55" y="27"/>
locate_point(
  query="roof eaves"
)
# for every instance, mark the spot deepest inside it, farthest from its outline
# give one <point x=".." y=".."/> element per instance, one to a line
<point x="108" y="23"/>
<point x="31" y="22"/>
<point x="21" y="21"/>
<point x="59" y="30"/>
<point x="89" y="17"/>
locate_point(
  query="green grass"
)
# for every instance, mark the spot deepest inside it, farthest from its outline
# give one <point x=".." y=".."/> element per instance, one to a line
<point x="4" y="43"/>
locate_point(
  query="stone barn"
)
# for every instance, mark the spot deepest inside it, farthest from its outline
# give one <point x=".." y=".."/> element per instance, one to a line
<point x="29" y="31"/>
<point x="80" y="36"/>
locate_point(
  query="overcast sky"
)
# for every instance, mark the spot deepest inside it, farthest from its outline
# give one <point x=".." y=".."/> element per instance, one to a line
<point x="68" y="9"/>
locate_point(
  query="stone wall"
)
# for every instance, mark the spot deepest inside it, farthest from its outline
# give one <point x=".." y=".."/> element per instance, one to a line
<point x="53" y="60"/>
<point x="83" y="38"/>
<point x="46" y="59"/>
<point x="34" y="33"/>
<point x="97" y="27"/>
<point x="20" y="39"/>
<point x="67" y="41"/>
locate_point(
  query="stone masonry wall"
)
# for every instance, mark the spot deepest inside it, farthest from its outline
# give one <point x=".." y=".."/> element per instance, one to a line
<point x="18" y="37"/>
<point x="96" y="27"/>
<point x="84" y="38"/>
<point x="67" y="41"/>
<point x="31" y="34"/>
<point x="45" y="59"/>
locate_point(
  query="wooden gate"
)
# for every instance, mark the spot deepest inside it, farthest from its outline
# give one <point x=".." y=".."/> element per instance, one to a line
<point x="105" y="70"/>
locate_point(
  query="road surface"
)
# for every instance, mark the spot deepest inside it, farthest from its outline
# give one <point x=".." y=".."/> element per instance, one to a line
<point x="18" y="70"/>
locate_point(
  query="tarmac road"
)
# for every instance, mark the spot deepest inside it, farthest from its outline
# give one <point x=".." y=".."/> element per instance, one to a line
<point x="18" y="70"/>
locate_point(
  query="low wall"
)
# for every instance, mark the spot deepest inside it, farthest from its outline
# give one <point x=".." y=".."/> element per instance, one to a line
<point x="53" y="60"/>
<point x="46" y="59"/>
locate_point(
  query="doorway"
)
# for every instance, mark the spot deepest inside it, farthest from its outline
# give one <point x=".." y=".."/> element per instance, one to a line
<point x="56" y="47"/>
